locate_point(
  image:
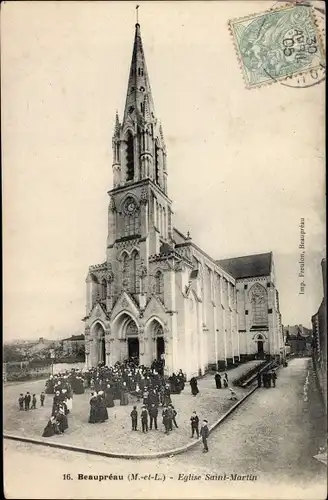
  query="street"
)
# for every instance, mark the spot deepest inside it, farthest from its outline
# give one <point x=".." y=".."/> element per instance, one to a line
<point x="273" y="437"/>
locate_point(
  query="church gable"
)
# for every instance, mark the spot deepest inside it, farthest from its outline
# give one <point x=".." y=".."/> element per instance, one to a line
<point x="125" y="302"/>
<point x="98" y="312"/>
<point x="154" y="308"/>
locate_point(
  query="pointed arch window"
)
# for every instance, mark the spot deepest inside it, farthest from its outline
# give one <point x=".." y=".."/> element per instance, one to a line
<point x="125" y="270"/>
<point x="159" y="284"/>
<point x="129" y="157"/>
<point x="259" y="301"/>
<point x="135" y="279"/>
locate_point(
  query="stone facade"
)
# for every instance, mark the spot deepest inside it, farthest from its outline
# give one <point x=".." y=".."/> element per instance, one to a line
<point x="158" y="294"/>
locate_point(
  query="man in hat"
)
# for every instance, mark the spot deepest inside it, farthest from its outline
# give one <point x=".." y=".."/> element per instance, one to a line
<point x="27" y="401"/>
<point x="153" y="414"/>
<point x="194" y="420"/>
<point x="144" y="419"/>
<point x="204" y="432"/>
<point x="174" y="414"/>
<point x="21" y="402"/>
<point x="42" y="398"/>
<point x="134" y="418"/>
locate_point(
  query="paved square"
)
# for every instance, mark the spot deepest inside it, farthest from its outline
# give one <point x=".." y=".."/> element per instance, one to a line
<point x="115" y="435"/>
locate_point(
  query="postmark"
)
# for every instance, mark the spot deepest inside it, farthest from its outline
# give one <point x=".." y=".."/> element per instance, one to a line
<point x="278" y="45"/>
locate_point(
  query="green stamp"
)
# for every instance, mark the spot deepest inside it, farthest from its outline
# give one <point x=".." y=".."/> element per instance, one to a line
<point x="278" y="44"/>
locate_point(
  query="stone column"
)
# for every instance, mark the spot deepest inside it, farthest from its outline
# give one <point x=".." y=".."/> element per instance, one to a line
<point x="87" y="347"/>
<point x="168" y="352"/>
<point x="141" y="345"/>
<point x="107" y="347"/>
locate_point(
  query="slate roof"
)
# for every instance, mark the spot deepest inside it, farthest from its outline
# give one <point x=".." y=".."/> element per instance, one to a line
<point x="248" y="266"/>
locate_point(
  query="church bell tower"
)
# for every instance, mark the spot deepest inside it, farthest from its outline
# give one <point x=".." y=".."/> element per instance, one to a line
<point x="138" y="145"/>
<point x="139" y="216"/>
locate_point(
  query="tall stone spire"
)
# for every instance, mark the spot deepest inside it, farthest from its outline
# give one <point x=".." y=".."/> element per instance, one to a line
<point x="139" y="89"/>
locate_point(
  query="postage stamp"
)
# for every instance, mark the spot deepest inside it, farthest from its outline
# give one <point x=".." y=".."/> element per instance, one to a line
<point x="277" y="44"/>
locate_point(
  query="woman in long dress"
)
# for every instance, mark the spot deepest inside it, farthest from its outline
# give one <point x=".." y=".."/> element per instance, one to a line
<point x="194" y="387"/>
<point x="109" y="398"/>
<point x="79" y="386"/>
<point x="102" y="410"/>
<point x="50" y="428"/>
<point x="62" y="420"/>
<point x="124" y="400"/>
<point x="93" y="409"/>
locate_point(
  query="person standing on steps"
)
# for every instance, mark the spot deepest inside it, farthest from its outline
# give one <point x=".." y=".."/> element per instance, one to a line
<point x="225" y="381"/>
<point x="204" y="432"/>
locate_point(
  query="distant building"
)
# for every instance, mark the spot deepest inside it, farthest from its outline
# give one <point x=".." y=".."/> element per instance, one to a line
<point x="299" y="340"/>
<point x="72" y="345"/>
<point x="319" y="325"/>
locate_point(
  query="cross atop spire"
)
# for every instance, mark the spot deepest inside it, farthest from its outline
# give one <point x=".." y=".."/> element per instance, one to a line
<point x="138" y="84"/>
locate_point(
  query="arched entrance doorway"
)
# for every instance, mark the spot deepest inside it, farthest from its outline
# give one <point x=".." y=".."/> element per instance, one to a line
<point x="157" y="334"/>
<point x="260" y="347"/>
<point x="98" y="346"/>
<point x="131" y="335"/>
<point x="125" y="330"/>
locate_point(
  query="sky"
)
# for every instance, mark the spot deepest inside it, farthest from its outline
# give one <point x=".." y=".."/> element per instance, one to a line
<point x="244" y="166"/>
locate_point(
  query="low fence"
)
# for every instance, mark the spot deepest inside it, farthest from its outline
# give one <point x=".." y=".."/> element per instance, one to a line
<point x="20" y="371"/>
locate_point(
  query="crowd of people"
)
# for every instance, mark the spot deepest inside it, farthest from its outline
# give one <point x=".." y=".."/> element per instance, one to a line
<point x="267" y="379"/>
<point x="111" y="383"/>
<point x="221" y="381"/>
<point x="125" y="382"/>
<point x="27" y="402"/>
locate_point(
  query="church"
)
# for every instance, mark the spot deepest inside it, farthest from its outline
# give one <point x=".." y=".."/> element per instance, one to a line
<point x="158" y="295"/>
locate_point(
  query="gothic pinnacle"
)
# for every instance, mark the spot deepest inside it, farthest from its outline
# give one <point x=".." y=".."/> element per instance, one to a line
<point x="117" y="125"/>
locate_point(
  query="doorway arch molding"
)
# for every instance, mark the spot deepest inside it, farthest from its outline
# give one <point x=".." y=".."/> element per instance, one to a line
<point x="97" y="345"/>
<point x="156" y="329"/>
<point x="120" y="322"/>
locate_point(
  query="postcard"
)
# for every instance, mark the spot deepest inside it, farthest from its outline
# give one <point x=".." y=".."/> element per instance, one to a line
<point x="165" y="331"/>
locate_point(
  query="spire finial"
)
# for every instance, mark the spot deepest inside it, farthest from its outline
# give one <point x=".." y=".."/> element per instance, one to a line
<point x="137" y="17"/>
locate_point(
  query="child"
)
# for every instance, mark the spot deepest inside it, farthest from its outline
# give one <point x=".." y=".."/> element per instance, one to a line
<point x="134" y="418"/>
<point x="21" y="401"/>
<point x="42" y="398"/>
<point x="33" y="402"/>
<point x="233" y="396"/>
